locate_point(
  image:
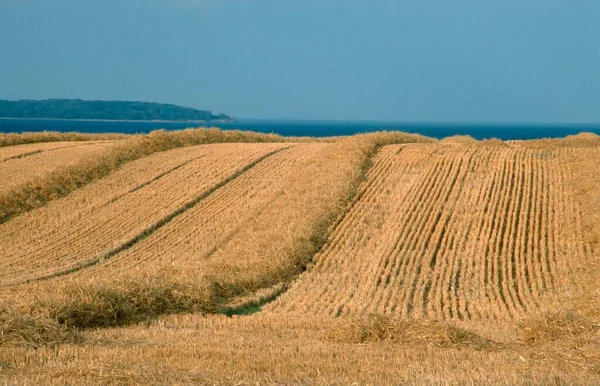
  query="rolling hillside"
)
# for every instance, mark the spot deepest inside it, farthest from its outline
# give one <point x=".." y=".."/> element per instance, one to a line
<point x="209" y="257"/>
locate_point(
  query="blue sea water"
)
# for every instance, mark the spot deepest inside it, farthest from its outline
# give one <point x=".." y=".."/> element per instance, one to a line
<point x="313" y="128"/>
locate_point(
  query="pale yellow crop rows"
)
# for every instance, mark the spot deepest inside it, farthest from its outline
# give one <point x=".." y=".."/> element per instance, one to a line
<point x="19" y="171"/>
<point x="192" y="238"/>
<point x="21" y="151"/>
<point x="89" y="233"/>
<point x="446" y="262"/>
<point x="454" y="232"/>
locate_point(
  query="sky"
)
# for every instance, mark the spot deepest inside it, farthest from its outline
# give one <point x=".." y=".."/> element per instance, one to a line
<point x="397" y="60"/>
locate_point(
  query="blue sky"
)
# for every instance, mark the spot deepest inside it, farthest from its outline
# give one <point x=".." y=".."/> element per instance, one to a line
<point x="421" y="60"/>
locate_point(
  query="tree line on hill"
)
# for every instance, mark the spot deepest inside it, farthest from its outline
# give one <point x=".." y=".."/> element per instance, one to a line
<point x="109" y="110"/>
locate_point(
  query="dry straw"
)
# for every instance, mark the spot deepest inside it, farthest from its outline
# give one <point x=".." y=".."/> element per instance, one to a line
<point x="61" y="182"/>
<point x="319" y="199"/>
<point x="12" y="139"/>
<point x="379" y="328"/>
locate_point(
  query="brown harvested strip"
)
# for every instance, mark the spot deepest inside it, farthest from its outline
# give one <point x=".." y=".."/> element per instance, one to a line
<point x="19" y="171"/>
<point x="553" y="203"/>
<point x="422" y="235"/>
<point x="435" y="248"/>
<point x="15" y="139"/>
<point x="471" y="253"/>
<point x="432" y="297"/>
<point x="565" y="244"/>
<point x="521" y="218"/>
<point x="113" y="225"/>
<point x="558" y="231"/>
<point x="348" y="279"/>
<point x="536" y="269"/>
<point x="52" y="224"/>
<point x="191" y="238"/>
<point x="387" y="251"/>
<point x="429" y="234"/>
<point x="444" y="300"/>
<point x="398" y="255"/>
<point x="337" y="242"/>
<point x="471" y="287"/>
<point x="464" y="273"/>
<point x="497" y="306"/>
<point x="495" y="276"/>
<point x="380" y="277"/>
<point x="342" y="231"/>
<point x="341" y="262"/>
<point x="447" y="304"/>
<point x="110" y="234"/>
<point x="431" y="257"/>
<point x="21" y="151"/>
<point x="570" y="252"/>
<point x="343" y="236"/>
<point x="521" y="247"/>
<point x="63" y="181"/>
<point x="543" y="237"/>
<point x="132" y="241"/>
<point x="88" y="200"/>
<point x="375" y="291"/>
<point x="504" y="283"/>
<point x="410" y="215"/>
<point x="314" y="303"/>
<point x="511" y="276"/>
<point x="510" y="282"/>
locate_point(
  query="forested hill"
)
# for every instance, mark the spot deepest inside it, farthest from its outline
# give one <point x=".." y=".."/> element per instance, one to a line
<point x="113" y="110"/>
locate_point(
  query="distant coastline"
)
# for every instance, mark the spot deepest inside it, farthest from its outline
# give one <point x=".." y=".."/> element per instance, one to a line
<point x="77" y="109"/>
<point x="307" y="128"/>
<point x="229" y="120"/>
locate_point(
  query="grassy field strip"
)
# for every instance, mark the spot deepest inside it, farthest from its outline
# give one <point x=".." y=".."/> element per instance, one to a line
<point x="334" y="242"/>
<point x="113" y="225"/>
<point x="417" y="269"/>
<point x="17" y="139"/>
<point x="63" y="181"/>
<point x="342" y="241"/>
<point x="356" y="294"/>
<point x="20" y="171"/>
<point x="22" y="151"/>
<point x="264" y="252"/>
<point x="41" y="225"/>
<point x="189" y="349"/>
<point x="44" y="224"/>
<point x="191" y="238"/>
<point x="449" y="262"/>
<point x="375" y="206"/>
<point x="391" y="264"/>
<point x="442" y="280"/>
<point x="110" y="231"/>
<point x="431" y="254"/>
<point x="566" y="203"/>
<point x="312" y="200"/>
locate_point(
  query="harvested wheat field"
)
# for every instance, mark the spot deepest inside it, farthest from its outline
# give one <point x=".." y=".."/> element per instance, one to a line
<point x="240" y="258"/>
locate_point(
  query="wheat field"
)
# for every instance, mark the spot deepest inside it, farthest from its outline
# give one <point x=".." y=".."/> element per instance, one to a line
<point x="240" y="258"/>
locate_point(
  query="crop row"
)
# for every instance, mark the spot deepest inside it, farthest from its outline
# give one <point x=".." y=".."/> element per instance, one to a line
<point x="110" y="213"/>
<point x="32" y="162"/>
<point x="449" y="232"/>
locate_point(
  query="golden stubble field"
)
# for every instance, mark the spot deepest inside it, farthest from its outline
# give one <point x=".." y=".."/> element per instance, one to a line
<point x="214" y="257"/>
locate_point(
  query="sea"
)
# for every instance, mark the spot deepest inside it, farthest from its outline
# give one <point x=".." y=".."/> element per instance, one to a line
<point x="311" y="128"/>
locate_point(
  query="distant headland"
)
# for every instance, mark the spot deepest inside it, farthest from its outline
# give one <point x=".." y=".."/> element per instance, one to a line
<point x="104" y="110"/>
